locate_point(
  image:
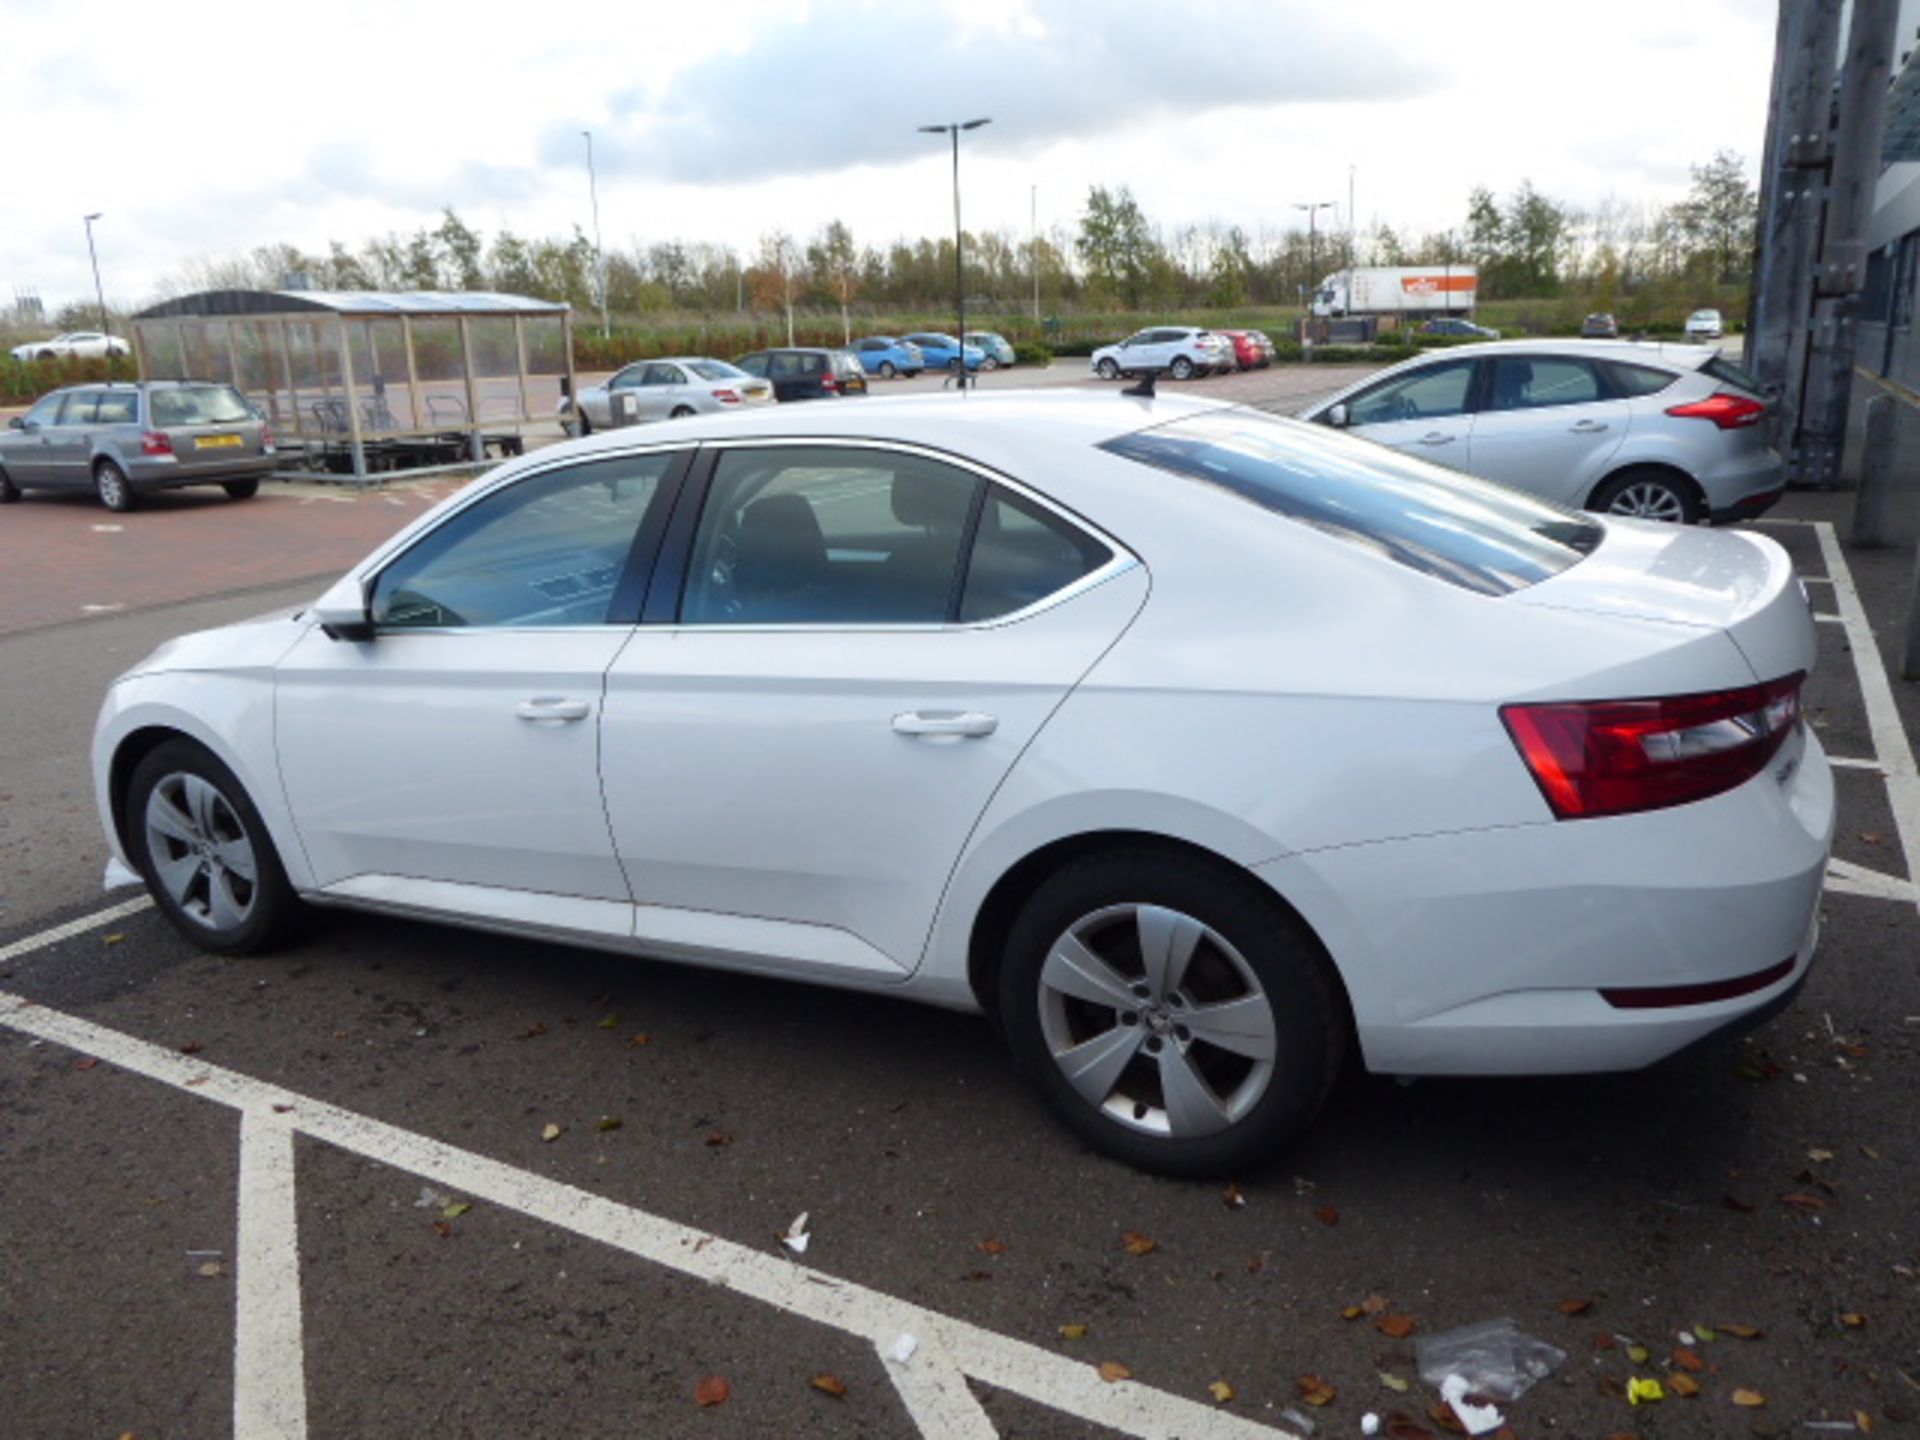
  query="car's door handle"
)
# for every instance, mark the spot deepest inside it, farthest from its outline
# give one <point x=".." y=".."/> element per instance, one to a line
<point x="1436" y="437"/>
<point x="1589" y="427"/>
<point x="552" y="707"/>
<point x="946" y="724"/>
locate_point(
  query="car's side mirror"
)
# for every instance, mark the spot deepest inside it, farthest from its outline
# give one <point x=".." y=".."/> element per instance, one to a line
<point x="346" y="611"/>
<point x="1339" y="417"/>
<point x="16" y="422"/>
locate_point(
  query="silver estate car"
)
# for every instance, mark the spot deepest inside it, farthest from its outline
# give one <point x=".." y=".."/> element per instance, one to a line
<point x="665" y="390"/>
<point x="123" y="439"/>
<point x="1665" y="432"/>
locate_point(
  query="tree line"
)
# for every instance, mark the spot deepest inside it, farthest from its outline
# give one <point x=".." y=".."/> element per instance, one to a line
<point x="1527" y="246"/>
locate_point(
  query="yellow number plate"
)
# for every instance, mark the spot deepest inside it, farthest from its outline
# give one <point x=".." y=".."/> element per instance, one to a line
<point x="217" y="442"/>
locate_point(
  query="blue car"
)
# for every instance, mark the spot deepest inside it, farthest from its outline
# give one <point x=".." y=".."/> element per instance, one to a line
<point x="886" y="357"/>
<point x="942" y="351"/>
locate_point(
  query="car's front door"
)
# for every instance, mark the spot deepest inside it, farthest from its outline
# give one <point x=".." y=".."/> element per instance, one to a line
<point x="1427" y="412"/>
<point x="1549" y="425"/>
<point x="451" y="763"/>
<point x="27" y="448"/>
<point x="69" y="449"/>
<point x="866" y="640"/>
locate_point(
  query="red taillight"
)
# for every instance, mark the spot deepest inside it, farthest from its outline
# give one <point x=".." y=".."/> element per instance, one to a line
<point x="726" y="397"/>
<point x="1615" y="757"/>
<point x="156" y="442"/>
<point x="266" y="437"/>
<point x="829" y="384"/>
<point x="1729" y="412"/>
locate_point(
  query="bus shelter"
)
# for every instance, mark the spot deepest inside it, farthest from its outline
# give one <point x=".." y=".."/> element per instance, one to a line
<point x="371" y="381"/>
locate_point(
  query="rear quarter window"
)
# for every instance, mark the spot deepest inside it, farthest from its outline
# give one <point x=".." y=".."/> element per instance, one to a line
<point x="1633" y="381"/>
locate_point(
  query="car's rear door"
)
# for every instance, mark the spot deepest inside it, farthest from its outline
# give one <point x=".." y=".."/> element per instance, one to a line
<point x="1549" y="425"/>
<point x="861" y="641"/>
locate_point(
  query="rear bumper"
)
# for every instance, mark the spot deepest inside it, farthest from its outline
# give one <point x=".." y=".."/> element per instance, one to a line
<point x="162" y="473"/>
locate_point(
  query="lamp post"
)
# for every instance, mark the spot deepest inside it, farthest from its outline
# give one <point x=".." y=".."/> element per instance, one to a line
<point x="959" y="274"/>
<point x="99" y="294"/>
<point x="1313" y="209"/>
<point x="599" y="259"/>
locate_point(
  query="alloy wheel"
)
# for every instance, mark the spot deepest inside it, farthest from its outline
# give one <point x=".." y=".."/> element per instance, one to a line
<point x="201" y="852"/>
<point x="1649" y="500"/>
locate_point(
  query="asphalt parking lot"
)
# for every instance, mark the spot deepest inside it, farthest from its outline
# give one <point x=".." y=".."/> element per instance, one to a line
<point x="401" y="1180"/>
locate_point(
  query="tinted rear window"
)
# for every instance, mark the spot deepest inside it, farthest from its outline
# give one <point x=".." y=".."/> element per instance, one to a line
<point x="198" y="405"/>
<point x="1471" y="533"/>
<point x="1634" y="380"/>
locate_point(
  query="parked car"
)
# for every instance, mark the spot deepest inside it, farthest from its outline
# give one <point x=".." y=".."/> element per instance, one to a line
<point x="807" y="374"/>
<point x="667" y="389"/>
<point x="1252" y="350"/>
<point x="886" y="356"/>
<point x="80" y="344"/>
<point x="1183" y="351"/>
<point x="125" y="439"/>
<point x="1599" y="327"/>
<point x="1454" y="325"/>
<point x="942" y="352"/>
<point x="1704" y="325"/>
<point x="995" y="347"/>
<point x="906" y="700"/>
<point x="1665" y="432"/>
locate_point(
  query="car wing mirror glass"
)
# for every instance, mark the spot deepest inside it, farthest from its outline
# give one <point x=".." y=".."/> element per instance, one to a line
<point x="1339" y="417"/>
<point x="345" y="612"/>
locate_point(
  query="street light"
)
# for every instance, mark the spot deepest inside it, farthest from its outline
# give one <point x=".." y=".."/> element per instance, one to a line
<point x="1313" y="208"/>
<point x="959" y="275"/>
<point x="599" y="260"/>
<point x="99" y="294"/>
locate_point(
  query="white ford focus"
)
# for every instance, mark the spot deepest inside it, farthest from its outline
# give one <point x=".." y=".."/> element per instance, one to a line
<point x="1200" y="748"/>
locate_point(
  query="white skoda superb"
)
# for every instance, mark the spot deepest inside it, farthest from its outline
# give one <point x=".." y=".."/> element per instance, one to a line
<point x="1200" y="748"/>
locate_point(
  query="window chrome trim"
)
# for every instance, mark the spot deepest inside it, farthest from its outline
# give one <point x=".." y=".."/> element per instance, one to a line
<point x="1120" y="558"/>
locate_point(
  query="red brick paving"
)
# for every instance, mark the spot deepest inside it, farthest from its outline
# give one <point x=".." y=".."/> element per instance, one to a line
<point x="65" y="557"/>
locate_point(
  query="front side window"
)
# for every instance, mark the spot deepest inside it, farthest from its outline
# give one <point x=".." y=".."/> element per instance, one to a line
<point x="198" y="405"/>
<point x="1472" y="533"/>
<point x="46" y="409"/>
<point x="549" y="550"/>
<point x="628" y="378"/>
<point x="817" y="535"/>
<point x="1520" y="383"/>
<point x="755" y="365"/>
<point x="1430" y="393"/>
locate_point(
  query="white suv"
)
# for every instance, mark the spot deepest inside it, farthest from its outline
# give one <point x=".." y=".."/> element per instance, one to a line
<point x="1704" y="325"/>
<point x="1181" y="350"/>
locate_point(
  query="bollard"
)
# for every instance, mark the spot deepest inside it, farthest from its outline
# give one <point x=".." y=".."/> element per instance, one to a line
<point x="1876" y="474"/>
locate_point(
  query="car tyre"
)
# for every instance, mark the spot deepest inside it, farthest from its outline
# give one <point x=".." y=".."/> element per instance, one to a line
<point x="989" y="363"/>
<point x="680" y="412"/>
<point x="46" y="355"/>
<point x="9" y="492"/>
<point x="205" y="853"/>
<point x="886" y="370"/>
<point x="1181" y="369"/>
<point x="1649" y="493"/>
<point x="1115" y="1043"/>
<point x="111" y="484"/>
<point x="586" y="425"/>
<point x="241" y="489"/>
<point x="1107" y="370"/>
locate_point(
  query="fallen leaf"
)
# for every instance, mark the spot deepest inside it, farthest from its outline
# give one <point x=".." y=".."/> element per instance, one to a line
<point x="537" y="1029"/>
<point x="830" y="1385"/>
<point x="1869" y="1152"/>
<point x="1742" y="1332"/>
<point x="1802" y="1201"/>
<point x="1221" y="1391"/>
<point x="992" y="1246"/>
<point x="113" y="939"/>
<point x="551" y="1133"/>
<point x="1819" y="1156"/>
<point x="192" y="1047"/>
<point x="1404" y="1427"/>
<point x="1575" y="1307"/>
<point x="718" y="1138"/>
<point x="1853" y="1320"/>
<point x="1641" y="1391"/>
<point x="1639" y="1354"/>
<point x="610" y="1022"/>
<point x="1863" y="1422"/>
<point x="1683" y="1384"/>
<point x="283" y="1109"/>
<point x="1749" y="1399"/>
<point x="1073" y="1332"/>
<point x="1315" y="1391"/>
<point x="456" y="1210"/>
<point x="712" y="1390"/>
<point x="1231" y="1197"/>
<point x="608" y="1122"/>
<point x="1396" y="1327"/>
<point x="1327" y="1215"/>
<point x="1703" y="1332"/>
<point x="1604" y="1342"/>
<point x="1112" y="1371"/>
<point x="1688" y="1360"/>
<point x="1393" y="1383"/>
<point x="1134" y="1243"/>
<point x="210" y="1269"/>
<point x="1871" y="837"/>
<point x="1352" y="1312"/>
<point x="1442" y="1415"/>
<point x="85" y="1064"/>
<point x="442" y="1229"/>
<point x="641" y="1039"/>
<point x="1373" y="1304"/>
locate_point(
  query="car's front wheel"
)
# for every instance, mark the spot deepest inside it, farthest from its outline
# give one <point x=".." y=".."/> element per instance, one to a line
<point x="241" y="489"/>
<point x="1649" y="494"/>
<point x="1181" y="369"/>
<point x="1172" y="1012"/>
<point x="1107" y="370"/>
<point x="206" y="855"/>
<point x="110" y="483"/>
<point x="9" y="492"/>
<point x="886" y="370"/>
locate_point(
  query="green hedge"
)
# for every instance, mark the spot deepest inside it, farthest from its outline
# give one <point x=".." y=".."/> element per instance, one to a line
<point x="22" y="381"/>
<point x="1031" y="352"/>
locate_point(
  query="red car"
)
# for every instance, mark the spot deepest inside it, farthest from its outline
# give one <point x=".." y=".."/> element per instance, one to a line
<point x="1252" y="350"/>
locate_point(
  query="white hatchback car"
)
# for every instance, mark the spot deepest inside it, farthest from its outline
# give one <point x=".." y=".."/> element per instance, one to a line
<point x="1182" y="351"/>
<point x="1663" y="432"/>
<point x="1704" y="325"/>
<point x="1201" y="748"/>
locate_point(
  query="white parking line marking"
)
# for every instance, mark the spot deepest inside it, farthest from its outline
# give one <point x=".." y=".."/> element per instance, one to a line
<point x="77" y="927"/>
<point x="1849" y="762"/>
<point x="269" y="1372"/>
<point x="998" y="1360"/>
<point x="1890" y="742"/>
<point x="1844" y="878"/>
<point x="1826" y="619"/>
<point x="936" y="1395"/>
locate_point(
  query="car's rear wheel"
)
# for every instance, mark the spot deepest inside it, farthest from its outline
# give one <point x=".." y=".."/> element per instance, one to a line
<point x="1107" y="370"/>
<point x="110" y="483"/>
<point x="989" y="363"/>
<point x="886" y="370"/>
<point x="580" y="416"/>
<point x="241" y="489"/>
<point x="1649" y="494"/>
<point x="205" y="852"/>
<point x="1172" y="1012"/>
<point x="1181" y="369"/>
<point x="45" y="355"/>
<point x="680" y="412"/>
<point x="9" y="492"/>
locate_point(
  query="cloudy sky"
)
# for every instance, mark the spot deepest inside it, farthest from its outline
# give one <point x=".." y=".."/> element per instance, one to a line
<point x="208" y="127"/>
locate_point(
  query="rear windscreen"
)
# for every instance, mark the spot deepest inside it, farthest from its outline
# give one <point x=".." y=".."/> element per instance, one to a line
<point x="198" y="405"/>
<point x="1728" y="373"/>
<point x="1472" y="533"/>
<point x="716" y="370"/>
